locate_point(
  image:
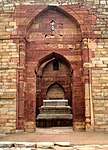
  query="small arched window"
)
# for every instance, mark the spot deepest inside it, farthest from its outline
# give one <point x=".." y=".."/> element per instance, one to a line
<point x="55" y="65"/>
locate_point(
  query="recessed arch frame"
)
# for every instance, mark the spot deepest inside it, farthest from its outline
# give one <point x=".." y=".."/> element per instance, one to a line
<point x="86" y="29"/>
<point x="41" y="64"/>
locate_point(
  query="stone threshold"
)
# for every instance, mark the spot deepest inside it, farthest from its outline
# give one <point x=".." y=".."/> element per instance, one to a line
<point x="4" y="145"/>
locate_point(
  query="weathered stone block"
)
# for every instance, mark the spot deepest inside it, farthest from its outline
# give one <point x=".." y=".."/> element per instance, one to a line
<point x="77" y="126"/>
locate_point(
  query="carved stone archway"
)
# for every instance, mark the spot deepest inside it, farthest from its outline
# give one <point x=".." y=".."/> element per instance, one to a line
<point x="26" y="103"/>
<point x="44" y="70"/>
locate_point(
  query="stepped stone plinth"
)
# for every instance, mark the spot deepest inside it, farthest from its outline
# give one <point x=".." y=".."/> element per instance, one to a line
<point x="54" y="113"/>
<point x="55" y="102"/>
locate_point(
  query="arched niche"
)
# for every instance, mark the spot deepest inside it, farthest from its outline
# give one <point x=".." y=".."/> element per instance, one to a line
<point x="55" y="91"/>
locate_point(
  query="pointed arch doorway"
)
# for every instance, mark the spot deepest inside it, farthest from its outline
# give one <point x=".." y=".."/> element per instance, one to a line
<point x="54" y="84"/>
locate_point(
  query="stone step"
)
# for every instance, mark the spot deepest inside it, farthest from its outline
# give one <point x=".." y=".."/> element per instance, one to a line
<point x="54" y="116"/>
<point x="55" y="110"/>
<point x="56" y="102"/>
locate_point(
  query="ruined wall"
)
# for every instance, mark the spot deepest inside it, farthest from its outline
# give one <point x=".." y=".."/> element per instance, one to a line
<point x="8" y="68"/>
<point x="99" y="63"/>
<point x="9" y="60"/>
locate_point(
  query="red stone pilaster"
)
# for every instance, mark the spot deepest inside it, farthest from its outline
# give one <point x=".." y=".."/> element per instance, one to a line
<point x="20" y="76"/>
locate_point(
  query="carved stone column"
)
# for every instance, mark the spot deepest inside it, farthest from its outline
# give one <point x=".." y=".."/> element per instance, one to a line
<point x="87" y="83"/>
<point x="87" y="106"/>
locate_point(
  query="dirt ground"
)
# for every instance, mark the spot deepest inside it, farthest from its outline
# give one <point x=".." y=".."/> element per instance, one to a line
<point x="58" y="134"/>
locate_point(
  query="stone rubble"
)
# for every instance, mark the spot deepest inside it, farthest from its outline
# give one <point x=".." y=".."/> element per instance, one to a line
<point x="48" y="146"/>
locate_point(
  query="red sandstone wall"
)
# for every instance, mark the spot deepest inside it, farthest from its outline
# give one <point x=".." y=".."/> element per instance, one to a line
<point x="65" y="41"/>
